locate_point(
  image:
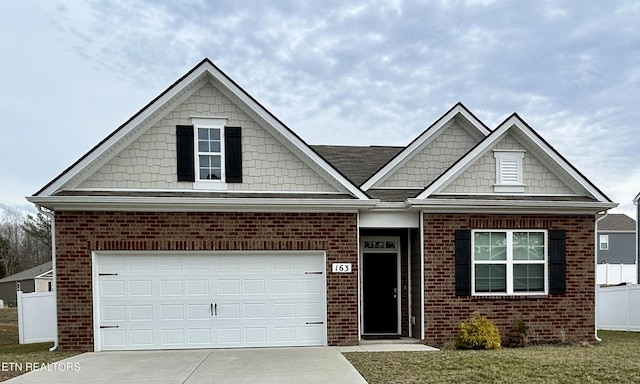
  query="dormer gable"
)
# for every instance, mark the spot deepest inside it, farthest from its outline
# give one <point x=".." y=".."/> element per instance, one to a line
<point x="513" y="161"/>
<point x="425" y="158"/>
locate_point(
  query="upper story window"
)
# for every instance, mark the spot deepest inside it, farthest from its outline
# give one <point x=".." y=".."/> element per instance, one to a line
<point x="509" y="171"/>
<point x="210" y="159"/>
<point x="604" y="242"/>
<point x="209" y="154"/>
<point x="511" y="262"/>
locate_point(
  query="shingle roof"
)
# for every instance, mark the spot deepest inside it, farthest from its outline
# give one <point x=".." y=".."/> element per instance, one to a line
<point x="357" y="163"/>
<point x="28" y="273"/>
<point x="393" y="194"/>
<point x="616" y="222"/>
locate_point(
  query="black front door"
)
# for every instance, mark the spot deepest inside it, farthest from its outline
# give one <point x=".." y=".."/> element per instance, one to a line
<point x="380" y="293"/>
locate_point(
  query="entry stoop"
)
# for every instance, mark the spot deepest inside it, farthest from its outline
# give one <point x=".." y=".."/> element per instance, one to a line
<point x="404" y="344"/>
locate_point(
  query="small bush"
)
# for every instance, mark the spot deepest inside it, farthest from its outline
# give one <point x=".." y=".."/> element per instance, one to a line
<point x="478" y="332"/>
<point x="518" y="335"/>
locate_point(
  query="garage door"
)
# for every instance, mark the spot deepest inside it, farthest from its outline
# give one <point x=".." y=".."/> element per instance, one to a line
<point x="205" y="300"/>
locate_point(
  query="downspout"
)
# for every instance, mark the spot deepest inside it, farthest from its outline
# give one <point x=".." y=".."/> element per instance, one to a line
<point x="51" y="217"/>
<point x="636" y="202"/>
<point x="595" y="252"/>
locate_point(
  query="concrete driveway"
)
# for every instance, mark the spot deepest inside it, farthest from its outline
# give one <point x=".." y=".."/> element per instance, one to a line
<point x="258" y="365"/>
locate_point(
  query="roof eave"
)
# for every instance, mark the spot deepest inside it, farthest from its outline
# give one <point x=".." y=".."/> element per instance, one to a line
<point x="198" y="204"/>
<point x="509" y="206"/>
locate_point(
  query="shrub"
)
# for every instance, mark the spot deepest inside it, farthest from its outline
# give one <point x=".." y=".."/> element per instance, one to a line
<point x="517" y="336"/>
<point x="478" y="332"/>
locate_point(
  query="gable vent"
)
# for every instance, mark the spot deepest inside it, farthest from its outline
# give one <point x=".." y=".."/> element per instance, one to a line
<point x="509" y="171"/>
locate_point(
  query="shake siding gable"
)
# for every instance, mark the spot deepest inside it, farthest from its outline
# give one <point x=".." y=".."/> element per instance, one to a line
<point x="150" y="162"/>
<point x="432" y="160"/>
<point x="480" y="177"/>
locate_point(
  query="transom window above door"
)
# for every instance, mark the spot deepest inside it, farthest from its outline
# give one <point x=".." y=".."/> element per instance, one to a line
<point x="381" y="244"/>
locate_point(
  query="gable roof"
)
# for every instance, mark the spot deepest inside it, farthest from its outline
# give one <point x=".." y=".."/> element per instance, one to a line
<point x="458" y="111"/>
<point x="177" y="92"/>
<point x="511" y="124"/>
<point x="357" y="173"/>
<point x="617" y="222"/>
<point x="30" y="273"/>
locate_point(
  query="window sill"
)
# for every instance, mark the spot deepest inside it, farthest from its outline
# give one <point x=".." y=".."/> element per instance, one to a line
<point x="210" y="185"/>
<point x="501" y="296"/>
<point x="514" y="188"/>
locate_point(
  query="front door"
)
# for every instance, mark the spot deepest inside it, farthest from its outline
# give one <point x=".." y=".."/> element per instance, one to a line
<point x="380" y="289"/>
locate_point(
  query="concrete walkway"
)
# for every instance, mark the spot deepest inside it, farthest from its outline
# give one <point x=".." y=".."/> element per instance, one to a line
<point x="388" y="347"/>
<point x="257" y="365"/>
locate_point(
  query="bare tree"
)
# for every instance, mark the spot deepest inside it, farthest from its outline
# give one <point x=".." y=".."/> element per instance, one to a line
<point x="4" y="250"/>
<point x="13" y="235"/>
<point x="25" y="240"/>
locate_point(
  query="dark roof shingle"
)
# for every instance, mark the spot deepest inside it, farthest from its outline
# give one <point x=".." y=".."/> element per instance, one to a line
<point x="616" y="222"/>
<point x="357" y="163"/>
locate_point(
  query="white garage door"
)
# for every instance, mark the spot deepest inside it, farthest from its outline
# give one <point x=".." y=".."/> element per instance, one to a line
<point x="209" y="300"/>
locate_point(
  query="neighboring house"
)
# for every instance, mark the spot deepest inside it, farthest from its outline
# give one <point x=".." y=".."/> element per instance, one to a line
<point x="205" y="222"/>
<point x="36" y="279"/>
<point x="616" y="249"/>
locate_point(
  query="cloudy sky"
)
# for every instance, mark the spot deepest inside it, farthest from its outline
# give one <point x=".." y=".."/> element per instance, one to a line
<point x="336" y="72"/>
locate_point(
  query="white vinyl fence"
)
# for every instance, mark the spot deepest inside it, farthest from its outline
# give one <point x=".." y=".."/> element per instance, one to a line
<point x="611" y="274"/>
<point x="37" y="321"/>
<point x="618" y="308"/>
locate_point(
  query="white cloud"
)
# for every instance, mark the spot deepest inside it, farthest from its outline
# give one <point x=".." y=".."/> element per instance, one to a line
<point x="365" y="72"/>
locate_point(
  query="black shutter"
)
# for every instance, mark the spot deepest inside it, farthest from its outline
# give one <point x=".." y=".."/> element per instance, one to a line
<point x="557" y="262"/>
<point x="186" y="171"/>
<point x="233" y="154"/>
<point x="463" y="262"/>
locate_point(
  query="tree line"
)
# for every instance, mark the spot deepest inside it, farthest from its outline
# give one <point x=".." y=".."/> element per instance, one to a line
<point x="25" y="241"/>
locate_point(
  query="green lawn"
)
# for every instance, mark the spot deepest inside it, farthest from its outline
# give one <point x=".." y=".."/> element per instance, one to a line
<point x="12" y="354"/>
<point x="615" y="360"/>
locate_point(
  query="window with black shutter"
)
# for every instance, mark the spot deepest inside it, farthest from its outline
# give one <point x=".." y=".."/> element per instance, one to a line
<point x="209" y="153"/>
<point x="233" y="154"/>
<point x="463" y="262"/>
<point x="557" y="262"/>
<point x="184" y="139"/>
<point x="509" y="262"/>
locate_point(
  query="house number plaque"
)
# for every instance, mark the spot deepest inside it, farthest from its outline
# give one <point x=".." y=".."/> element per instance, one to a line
<point x="341" y="267"/>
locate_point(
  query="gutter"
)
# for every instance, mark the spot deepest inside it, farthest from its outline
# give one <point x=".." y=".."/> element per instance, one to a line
<point x="51" y="217"/>
<point x="507" y="206"/>
<point x="199" y="204"/>
<point x="595" y="260"/>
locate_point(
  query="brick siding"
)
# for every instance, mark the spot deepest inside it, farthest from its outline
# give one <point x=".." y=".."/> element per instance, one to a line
<point x="552" y="318"/>
<point x="80" y="233"/>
